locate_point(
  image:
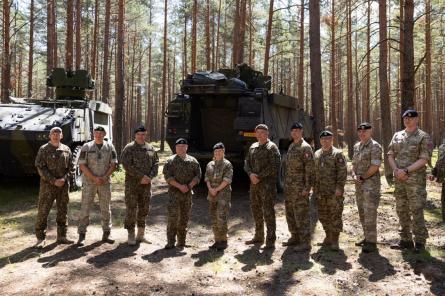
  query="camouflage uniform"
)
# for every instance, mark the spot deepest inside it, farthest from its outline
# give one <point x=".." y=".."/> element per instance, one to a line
<point x="98" y="160"/>
<point x="411" y="195"/>
<point x="183" y="171"/>
<point x="138" y="160"/>
<point x="330" y="175"/>
<point x="299" y="172"/>
<point x="439" y="173"/>
<point x="53" y="163"/>
<point x="219" y="206"/>
<point x="264" y="161"/>
<point x="368" y="192"/>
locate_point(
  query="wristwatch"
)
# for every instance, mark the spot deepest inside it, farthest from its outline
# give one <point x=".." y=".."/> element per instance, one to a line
<point x="406" y="171"/>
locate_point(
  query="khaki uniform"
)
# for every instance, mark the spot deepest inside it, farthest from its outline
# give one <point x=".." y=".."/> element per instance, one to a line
<point x="98" y="160"/>
<point x="183" y="171"/>
<point x="138" y="161"/>
<point x="411" y="195"/>
<point x="330" y="175"/>
<point x="439" y="173"/>
<point x="368" y="192"/>
<point x="263" y="160"/>
<point x="53" y="163"/>
<point x="298" y="177"/>
<point x="219" y="206"/>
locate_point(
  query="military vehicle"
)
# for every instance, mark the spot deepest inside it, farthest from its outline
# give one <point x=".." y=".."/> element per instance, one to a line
<point x="226" y="106"/>
<point x="25" y="123"/>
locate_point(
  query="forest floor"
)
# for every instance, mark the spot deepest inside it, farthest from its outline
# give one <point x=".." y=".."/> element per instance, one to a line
<point x="148" y="269"/>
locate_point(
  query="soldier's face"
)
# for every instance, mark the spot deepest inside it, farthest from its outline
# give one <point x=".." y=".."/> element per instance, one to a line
<point x="296" y="134"/>
<point x="326" y="142"/>
<point x="140" y="137"/>
<point x="261" y="135"/>
<point x="410" y="122"/>
<point x="364" y="135"/>
<point x="181" y="149"/>
<point x="55" y="137"/>
<point x="218" y="154"/>
<point x="99" y="136"/>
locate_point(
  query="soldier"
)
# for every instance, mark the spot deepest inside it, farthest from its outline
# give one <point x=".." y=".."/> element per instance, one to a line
<point x="330" y="178"/>
<point x="54" y="165"/>
<point x="261" y="165"/>
<point x="365" y="173"/>
<point x="218" y="177"/>
<point x="140" y="161"/>
<point x="298" y="181"/>
<point x="409" y="152"/>
<point x="97" y="161"/>
<point x="182" y="172"/>
<point x="439" y="174"/>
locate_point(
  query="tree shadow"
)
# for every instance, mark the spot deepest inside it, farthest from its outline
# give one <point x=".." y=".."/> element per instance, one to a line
<point x="283" y="278"/>
<point x="70" y="253"/>
<point x="379" y="266"/>
<point x="255" y="256"/>
<point x="207" y="256"/>
<point x="123" y="250"/>
<point x="331" y="260"/>
<point x="431" y="267"/>
<point x="161" y="254"/>
<point x="25" y="254"/>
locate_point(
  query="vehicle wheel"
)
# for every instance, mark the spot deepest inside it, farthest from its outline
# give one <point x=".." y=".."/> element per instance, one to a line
<point x="280" y="179"/>
<point x="76" y="176"/>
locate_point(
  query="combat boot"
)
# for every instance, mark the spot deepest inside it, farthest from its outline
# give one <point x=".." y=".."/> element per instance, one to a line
<point x="170" y="245"/>
<point x="335" y="246"/>
<point x="257" y="239"/>
<point x="327" y="241"/>
<point x="106" y="237"/>
<point x="140" y="237"/>
<point x="40" y="243"/>
<point x="222" y="245"/>
<point x="369" y="247"/>
<point x="62" y="240"/>
<point x="81" y="239"/>
<point x="403" y="245"/>
<point x="270" y="244"/>
<point x="302" y="247"/>
<point x="419" y="247"/>
<point x="360" y="243"/>
<point x="181" y="241"/>
<point x="131" y="237"/>
<point x="292" y="241"/>
<point x="215" y="245"/>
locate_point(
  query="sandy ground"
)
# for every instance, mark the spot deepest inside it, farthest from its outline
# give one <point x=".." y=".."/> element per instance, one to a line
<point x="148" y="269"/>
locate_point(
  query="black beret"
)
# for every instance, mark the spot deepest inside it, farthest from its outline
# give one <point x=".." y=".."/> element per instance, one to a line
<point x="410" y="113"/>
<point x="181" y="141"/>
<point x="99" y="129"/>
<point x="218" y="146"/>
<point x="262" y="126"/>
<point x="364" y="126"/>
<point x="326" y="134"/>
<point x="140" y="128"/>
<point x="296" y="125"/>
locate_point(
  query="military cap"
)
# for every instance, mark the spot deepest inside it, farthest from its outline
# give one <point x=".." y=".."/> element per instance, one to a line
<point x="140" y="128"/>
<point x="262" y="126"/>
<point x="99" y="129"/>
<point x="296" y="125"/>
<point x="364" y="126"/>
<point x="326" y="134"/>
<point x="410" y="113"/>
<point x="218" y="145"/>
<point x="181" y="141"/>
<point x="55" y="129"/>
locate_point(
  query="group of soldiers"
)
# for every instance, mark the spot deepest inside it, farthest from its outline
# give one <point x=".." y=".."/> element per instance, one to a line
<point x="323" y="172"/>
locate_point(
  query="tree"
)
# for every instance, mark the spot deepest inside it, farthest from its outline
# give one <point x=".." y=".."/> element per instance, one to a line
<point x="350" y="106"/>
<point x="315" y="64"/>
<point x="333" y="91"/>
<point x="119" y="113"/>
<point x="164" y="77"/>
<point x="428" y="92"/>
<point x="78" y="34"/>
<point x="69" y="36"/>
<point x="301" y="58"/>
<point x="268" y="37"/>
<point x="208" y="49"/>
<point x="31" y="48"/>
<point x="105" y="72"/>
<point x="194" y="33"/>
<point x="407" y="93"/>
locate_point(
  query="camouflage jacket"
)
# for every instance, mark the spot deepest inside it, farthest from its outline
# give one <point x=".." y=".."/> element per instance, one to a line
<point x="97" y="160"/>
<point x="330" y="171"/>
<point x="182" y="170"/>
<point x="54" y="162"/>
<point x="219" y="171"/>
<point x="439" y="168"/>
<point x="139" y="160"/>
<point x="365" y="155"/>
<point x="263" y="160"/>
<point x="299" y="166"/>
<point x="407" y="148"/>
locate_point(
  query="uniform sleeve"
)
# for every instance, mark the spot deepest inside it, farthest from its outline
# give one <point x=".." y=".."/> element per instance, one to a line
<point x="309" y="168"/>
<point x="83" y="154"/>
<point x="113" y="154"/>
<point x="71" y="166"/>
<point x="197" y="172"/>
<point x="376" y="155"/>
<point x="128" y="165"/>
<point x="207" y="173"/>
<point x="342" y="171"/>
<point x="247" y="164"/>
<point x="42" y="168"/>
<point x="426" y="148"/>
<point x="155" y="166"/>
<point x="391" y="146"/>
<point x="228" y="173"/>
<point x="271" y="170"/>
<point x="167" y="171"/>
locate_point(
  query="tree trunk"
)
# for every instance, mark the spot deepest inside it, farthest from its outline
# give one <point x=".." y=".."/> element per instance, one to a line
<point x="69" y="36"/>
<point x="366" y="98"/>
<point x="218" y="27"/>
<point x="95" y="40"/>
<point x="31" y="49"/>
<point x="428" y="93"/>
<point x="208" y="49"/>
<point x="119" y="113"/>
<point x="105" y="71"/>
<point x="333" y="89"/>
<point x="51" y="45"/>
<point x="268" y="38"/>
<point x="149" y="118"/>
<point x="407" y="95"/>
<point x="78" y="34"/>
<point x="301" y="59"/>
<point x="184" y="40"/>
<point x="350" y="123"/>
<point x="194" y="33"/>
<point x="164" y="77"/>
<point x="316" y="75"/>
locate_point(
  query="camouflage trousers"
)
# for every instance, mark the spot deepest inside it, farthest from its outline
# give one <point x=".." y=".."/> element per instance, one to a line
<point x="297" y="213"/>
<point x="179" y="209"/>
<point x="219" y="208"/>
<point x="330" y="210"/>
<point x="368" y="198"/>
<point x="89" y="192"/>
<point x="262" y="202"/>
<point x="410" y="202"/>
<point x="49" y="193"/>
<point x="137" y="203"/>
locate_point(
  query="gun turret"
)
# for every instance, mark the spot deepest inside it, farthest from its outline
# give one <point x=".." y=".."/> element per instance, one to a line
<point x="70" y="85"/>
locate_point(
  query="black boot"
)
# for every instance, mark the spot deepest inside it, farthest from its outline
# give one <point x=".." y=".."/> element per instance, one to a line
<point x="403" y="245"/>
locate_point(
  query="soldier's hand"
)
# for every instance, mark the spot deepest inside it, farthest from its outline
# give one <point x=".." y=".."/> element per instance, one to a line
<point x="97" y="180"/>
<point x="59" y="182"/>
<point x="145" y="180"/>
<point x="184" y="188"/>
<point x="254" y="179"/>
<point x="305" y="193"/>
<point x="338" y="192"/>
<point x="431" y="177"/>
<point x="358" y="179"/>
<point x="213" y="192"/>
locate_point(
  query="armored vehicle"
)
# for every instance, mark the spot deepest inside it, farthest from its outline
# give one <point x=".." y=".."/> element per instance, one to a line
<point x="226" y="106"/>
<point x="25" y="124"/>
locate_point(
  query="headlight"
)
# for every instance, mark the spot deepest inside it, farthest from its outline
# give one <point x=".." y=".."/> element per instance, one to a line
<point x="42" y="137"/>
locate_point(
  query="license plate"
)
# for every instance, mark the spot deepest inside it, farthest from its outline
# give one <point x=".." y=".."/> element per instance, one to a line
<point x="247" y="134"/>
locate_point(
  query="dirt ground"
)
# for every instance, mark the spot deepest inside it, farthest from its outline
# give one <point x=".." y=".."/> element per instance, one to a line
<point x="148" y="269"/>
